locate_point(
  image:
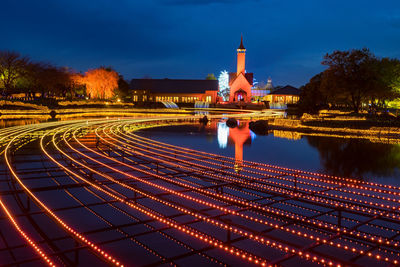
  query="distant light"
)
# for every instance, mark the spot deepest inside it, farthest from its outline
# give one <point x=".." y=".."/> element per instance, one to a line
<point x="119" y="100"/>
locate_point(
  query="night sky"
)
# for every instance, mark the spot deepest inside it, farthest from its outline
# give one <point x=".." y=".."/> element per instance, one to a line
<point x="191" y="38"/>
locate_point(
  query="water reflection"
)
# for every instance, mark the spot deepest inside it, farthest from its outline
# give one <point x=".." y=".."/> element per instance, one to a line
<point x="337" y="156"/>
<point x="291" y="135"/>
<point x="239" y="136"/>
<point x="222" y="134"/>
<point x="356" y="157"/>
<point x="19" y="122"/>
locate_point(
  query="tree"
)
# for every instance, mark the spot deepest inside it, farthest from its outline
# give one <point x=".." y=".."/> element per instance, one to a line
<point x="311" y="97"/>
<point x="45" y="78"/>
<point x="210" y="76"/>
<point x="123" y="90"/>
<point x="351" y="74"/>
<point x="223" y="84"/>
<point x="76" y="85"/>
<point x="100" y="83"/>
<point x="357" y="77"/>
<point x="53" y="81"/>
<point x="12" y="67"/>
<point x="388" y="81"/>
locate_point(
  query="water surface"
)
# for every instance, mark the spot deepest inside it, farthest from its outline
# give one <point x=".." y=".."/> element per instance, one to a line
<point x="349" y="157"/>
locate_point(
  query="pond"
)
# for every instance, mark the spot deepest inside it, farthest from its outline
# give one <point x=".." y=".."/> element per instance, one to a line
<point x="345" y="157"/>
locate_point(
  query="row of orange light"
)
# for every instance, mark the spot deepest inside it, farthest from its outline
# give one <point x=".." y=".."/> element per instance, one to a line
<point x="251" y="163"/>
<point x="285" y="185"/>
<point x="286" y="248"/>
<point x="7" y="134"/>
<point x="304" y="189"/>
<point x="371" y="237"/>
<point x="28" y="239"/>
<point x="69" y="229"/>
<point x="153" y="228"/>
<point x="185" y="229"/>
<point x="165" y="235"/>
<point x="12" y="133"/>
<point x="154" y="143"/>
<point x="280" y="177"/>
<point x="387" y="241"/>
<point x="184" y="210"/>
<point x="225" y="210"/>
<point x="310" y="236"/>
<point x="212" y="221"/>
<point x="107" y="221"/>
<point x="155" y="185"/>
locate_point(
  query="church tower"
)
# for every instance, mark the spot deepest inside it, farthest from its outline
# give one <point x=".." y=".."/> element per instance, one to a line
<point x="241" y="58"/>
<point x="240" y="82"/>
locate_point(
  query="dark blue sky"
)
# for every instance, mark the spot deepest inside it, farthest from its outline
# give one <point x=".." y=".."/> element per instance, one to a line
<point x="285" y="39"/>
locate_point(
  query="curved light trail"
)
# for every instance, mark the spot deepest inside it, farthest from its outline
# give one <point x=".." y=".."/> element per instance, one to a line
<point x="96" y="192"/>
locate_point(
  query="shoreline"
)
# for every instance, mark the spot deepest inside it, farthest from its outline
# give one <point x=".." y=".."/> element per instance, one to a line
<point x="374" y="133"/>
<point x="368" y="130"/>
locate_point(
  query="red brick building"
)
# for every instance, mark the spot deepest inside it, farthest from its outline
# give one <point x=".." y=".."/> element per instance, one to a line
<point x="240" y="82"/>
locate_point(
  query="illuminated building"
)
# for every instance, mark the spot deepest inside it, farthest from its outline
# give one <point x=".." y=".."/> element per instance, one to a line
<point x="240" y="82"/>
<point x="283" y="96"/>
<point x="175" y="90"/>
<point x="259" y="93"/>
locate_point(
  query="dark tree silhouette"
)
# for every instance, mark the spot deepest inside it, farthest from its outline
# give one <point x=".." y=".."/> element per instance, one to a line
<point x="46" y="79"/>
<point x="353" y="77"/>
<point x="12" y="67"/>
<point x="123" y="90"/>
<point x="311" y="97"/>
<point x="350" y="73"/>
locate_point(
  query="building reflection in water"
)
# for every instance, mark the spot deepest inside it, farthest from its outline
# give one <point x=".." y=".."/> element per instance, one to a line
<point x="346" y="157"/>
<point x="223" y="134"/>
<point x="239" y="136"/>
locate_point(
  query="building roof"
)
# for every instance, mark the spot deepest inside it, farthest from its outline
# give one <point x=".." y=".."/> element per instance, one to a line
<point x="241" y="46"/>
<point x="287" y="90"/>
<point x="174" y="85"/>
<point x="233" y="76"/>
